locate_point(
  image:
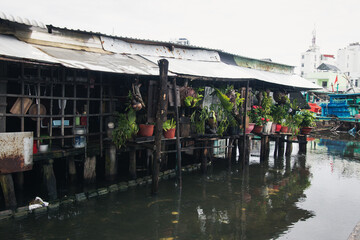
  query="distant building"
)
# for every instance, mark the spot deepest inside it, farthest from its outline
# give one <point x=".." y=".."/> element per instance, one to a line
<point x="348" y="61"/>
<point x="313" y="58"/>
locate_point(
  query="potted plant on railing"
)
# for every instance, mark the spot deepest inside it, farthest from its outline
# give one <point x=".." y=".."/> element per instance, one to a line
<point x="278" y="113"/>
<point x="257" y="116"/>
<point x="267" y="124"/>
<point x="308" y="121"/>
<point x="169" y="127"/>
<point x="146" y="130"/>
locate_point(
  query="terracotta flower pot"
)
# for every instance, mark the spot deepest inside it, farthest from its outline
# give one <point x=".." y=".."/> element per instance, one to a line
<point x="305" y="130"/>
<point x="257" y="129"/>
<point x="249" y="128"/>
<point x="284" y="129"/>
<point x="146" y="130"/>
<point x="278" y="127"/>
<point x="170" y="133"/>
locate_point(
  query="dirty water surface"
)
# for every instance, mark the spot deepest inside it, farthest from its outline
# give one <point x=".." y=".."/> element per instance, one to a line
<point x="312" y="196"/>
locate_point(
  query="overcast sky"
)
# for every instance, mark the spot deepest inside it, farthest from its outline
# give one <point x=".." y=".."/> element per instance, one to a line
<point x="276" y="29"/>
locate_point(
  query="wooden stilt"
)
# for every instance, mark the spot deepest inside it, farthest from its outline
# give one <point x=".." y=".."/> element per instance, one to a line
<point x="132" y="164"/>
<point x="204" y="157"/>
<point x="289" y="146"/>
<point x="72" y="168"/>
<point x="178" y="144"/>
<point x="302" y="144"/>
<point x="281" y="146"/>
<point x="90" y="169"/>
<point x="19" y="180"/>
<point x="161" y="113"/>
<point x="276" y="147"/>
<point x="110" y="162"/>
<point x="50" y="180"/>
<point x="264" y="150"/>
<point x="7" y="186"/>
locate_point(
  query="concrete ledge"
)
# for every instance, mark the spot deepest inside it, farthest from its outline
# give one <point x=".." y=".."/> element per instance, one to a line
<point x="80" y="197"/>
<point x="113" y="188"/>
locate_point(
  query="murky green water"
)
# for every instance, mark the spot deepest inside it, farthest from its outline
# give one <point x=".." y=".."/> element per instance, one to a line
<point x="304" y="197"/>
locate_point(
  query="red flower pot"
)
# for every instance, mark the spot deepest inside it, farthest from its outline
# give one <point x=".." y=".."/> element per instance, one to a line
<point x="170" y="133"/>
<point x="284" y="129"/>
<point x="257" y="129"/>
<point x="278" y="128"/>
<point x="249" y="128"/>
<point x="146" y="130"/>
<point x="305" y="130"/>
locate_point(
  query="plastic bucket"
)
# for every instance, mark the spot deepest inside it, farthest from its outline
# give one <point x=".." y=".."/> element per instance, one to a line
<point x="79" y="141"/>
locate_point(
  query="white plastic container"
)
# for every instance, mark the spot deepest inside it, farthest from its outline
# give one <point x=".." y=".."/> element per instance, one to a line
<point x="80" y="141"/>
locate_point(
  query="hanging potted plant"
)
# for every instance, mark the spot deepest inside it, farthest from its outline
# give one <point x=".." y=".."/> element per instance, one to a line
<point x="308" y="121"/>
<point x="169" y="127"/>
<point x="126" y="127"/>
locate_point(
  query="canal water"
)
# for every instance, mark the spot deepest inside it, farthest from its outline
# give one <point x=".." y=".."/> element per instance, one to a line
<point x="313" y="196"/>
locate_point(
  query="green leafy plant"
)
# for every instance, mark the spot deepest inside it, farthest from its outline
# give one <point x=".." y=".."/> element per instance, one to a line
<point x="169" y="124"/>
<point x="308" y="118"/>
<point x="126" y="127"/>
<point x="199" y="118"/>
<point x="278" y="112"/>
<point x="195" y="100"/>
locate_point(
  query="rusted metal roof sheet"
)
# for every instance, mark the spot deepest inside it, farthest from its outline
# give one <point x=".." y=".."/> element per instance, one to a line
<point x="16" y="152"/>
<point x="116" y="63"/>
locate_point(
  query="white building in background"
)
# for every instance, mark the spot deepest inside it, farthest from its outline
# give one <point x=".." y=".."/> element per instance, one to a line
<point x="313" y="58"/>
<point x="348" y="61"/>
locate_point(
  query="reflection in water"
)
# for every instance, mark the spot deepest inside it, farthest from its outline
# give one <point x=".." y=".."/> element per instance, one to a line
<point x="255" y="202"/>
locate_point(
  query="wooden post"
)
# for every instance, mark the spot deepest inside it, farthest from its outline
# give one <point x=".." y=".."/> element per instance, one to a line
<point x="281" y="146"/>
<point x="264" y="150"/>
<point x="111" y="162"/>
<point x="90" y="169"/>
<point x="178" y="144"/>
<point x="50" y="180"/>
<point x="276" y="147"/>
<point x="245" y="123"/>
<point x="302" y="143"/>
<point x="72" y="168"/>
<point x="6" y="180"/>
<point x="204" y="157"/>
<point x="289" y="146"/>
<point x="161" y="113"/>
<point x="132" y="164"/>
<point x="7" y="186"/>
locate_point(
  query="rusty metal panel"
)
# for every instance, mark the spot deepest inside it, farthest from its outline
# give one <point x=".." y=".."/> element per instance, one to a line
<point x="16" y="152"/>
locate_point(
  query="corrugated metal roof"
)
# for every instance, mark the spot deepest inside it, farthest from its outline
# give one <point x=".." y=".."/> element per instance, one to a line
<point x="12" y="47"/>
<point x="20" y="20"/>
<point x="203" y="68"/>
<point x="222" y="70"/>
<point x="120" y="46"/>
<point x="116" y="63"/>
